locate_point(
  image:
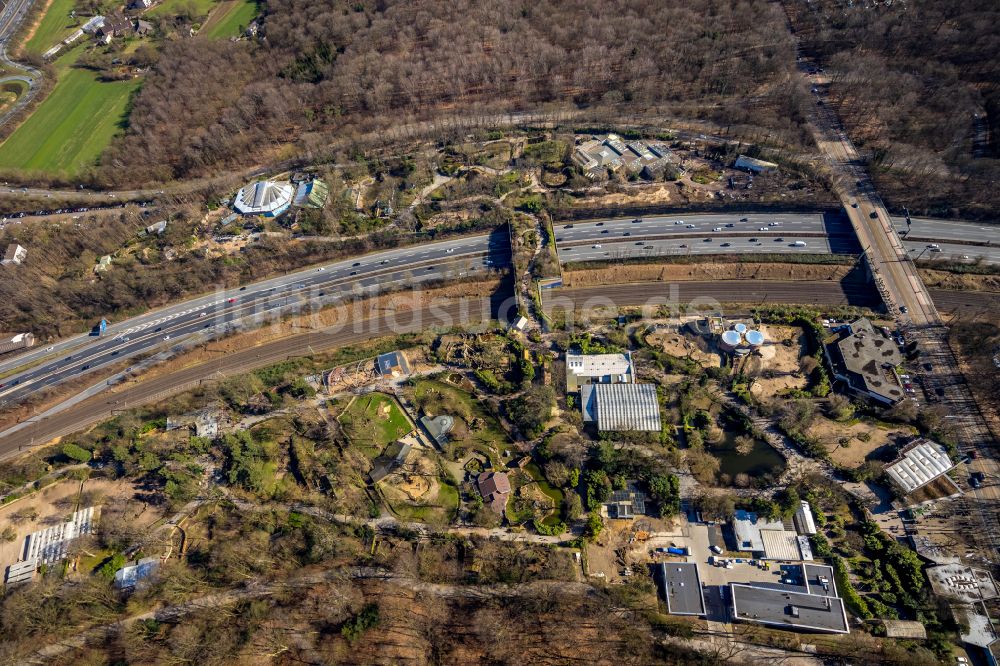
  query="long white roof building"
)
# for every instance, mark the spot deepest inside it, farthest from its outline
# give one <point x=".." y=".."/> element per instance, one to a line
<point x="921" y="462"/>
<point x="621" y="407"/>
<point x="265" y="197"/>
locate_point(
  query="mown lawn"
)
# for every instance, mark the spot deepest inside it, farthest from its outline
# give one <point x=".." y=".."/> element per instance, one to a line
<point x="373" y="422"/>
<point x="71" y="127"/>
<point x="174" y="7"/>
<point x="235" y="17"/>
<point x="55" y="26"/>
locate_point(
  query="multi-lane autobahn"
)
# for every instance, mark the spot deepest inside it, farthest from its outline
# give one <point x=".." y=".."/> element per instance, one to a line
<point x="221" y="311"/>
<point x="739" y="233"/>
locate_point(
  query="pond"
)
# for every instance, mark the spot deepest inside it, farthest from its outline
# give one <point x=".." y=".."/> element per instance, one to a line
<point x="761" y="464"/>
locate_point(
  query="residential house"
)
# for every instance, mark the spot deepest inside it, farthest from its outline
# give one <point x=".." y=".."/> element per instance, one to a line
<point x="495" y="489"/>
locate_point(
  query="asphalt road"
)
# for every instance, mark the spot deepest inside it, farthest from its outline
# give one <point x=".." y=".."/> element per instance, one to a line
<point x="222" y="310"/>
<point x="699" y="225"/>
<point x="620" y="250"/>
<point x="947" y="230"/>
<point x="11" y="15"/>
<point x="732" y="233"/>
<point x="104" y="406"/>
<point x="752" y="292"/>
<point x="953" y="252"/>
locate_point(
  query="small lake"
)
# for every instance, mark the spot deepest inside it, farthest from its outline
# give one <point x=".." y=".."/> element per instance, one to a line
<point x="762" y="462"/>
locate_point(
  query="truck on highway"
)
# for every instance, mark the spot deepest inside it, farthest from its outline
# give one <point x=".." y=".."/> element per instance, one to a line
<point x="799" y="244"/>
<point x="101" y="328"/>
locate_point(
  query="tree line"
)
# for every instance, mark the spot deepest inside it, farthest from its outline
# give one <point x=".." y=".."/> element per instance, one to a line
<point x="324" y="70"/>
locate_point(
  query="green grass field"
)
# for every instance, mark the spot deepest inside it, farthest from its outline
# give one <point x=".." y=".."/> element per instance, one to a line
<point x="173" y="7"/>
<point x="373" y="422"/>
<point x="68" y="131"/>
<point x="236" y="18"/>
<point x="55" y="26"/>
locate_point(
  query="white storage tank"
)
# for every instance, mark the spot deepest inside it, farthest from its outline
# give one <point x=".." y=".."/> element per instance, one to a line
<point x="754" y="338"/>
<point x="731" y="340"/>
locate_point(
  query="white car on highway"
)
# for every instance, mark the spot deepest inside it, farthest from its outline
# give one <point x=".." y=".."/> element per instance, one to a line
<point x="597" y="247"/>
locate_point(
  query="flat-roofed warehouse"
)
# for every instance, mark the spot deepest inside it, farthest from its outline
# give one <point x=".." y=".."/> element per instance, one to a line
<point x="920" y="462"/>
<point x="682" y="588"/>
<point x="621" y="407"/>
<point x="810" y="604"/>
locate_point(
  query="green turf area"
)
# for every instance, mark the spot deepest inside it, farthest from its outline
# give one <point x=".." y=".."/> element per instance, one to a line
<point x="373" y="422"/>
<point x="476" y="429"/>
<point x="70" y="128"/>
<point x="236" y="18"/>
<point x="55" y="26"/>
<point x="175" y="7"/>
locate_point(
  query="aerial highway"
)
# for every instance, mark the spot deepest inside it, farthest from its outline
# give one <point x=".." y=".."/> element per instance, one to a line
<point x="625" y="250"/>
<point x="957" y="231"/>
<point x="681" y="225"/>
<point x="952" y="251"/>
<point x="42" y="429"/>
<point x="221" y="311"/>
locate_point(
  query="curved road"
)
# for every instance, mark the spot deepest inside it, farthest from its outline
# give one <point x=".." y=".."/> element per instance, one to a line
<point x="10" y="20"/>
<point x="226" y="310"/>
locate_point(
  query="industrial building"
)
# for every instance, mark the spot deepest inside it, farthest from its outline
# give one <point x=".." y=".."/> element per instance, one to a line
<point x="265" y="197"/>
<point x="770" y="539"/>
<point x="583" y="369"/>
<point x="865" y="360"/>
<point x="682" y="588"/>
<point x="920" y="462"/>
<point x="621" y="407"/>
<point x="806" y="600"/>
<point x="15" y="254"/>
<point x="597" y="156"/>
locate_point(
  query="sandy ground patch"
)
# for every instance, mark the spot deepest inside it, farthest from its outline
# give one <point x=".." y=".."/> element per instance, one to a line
<point x="55" y="503"/>
<point x="850" y="456"/>
<point x="682" y="346"/>
<point x="415" y="483"/>
<point x="703" y="271"/>
<point x="778" y="357"/>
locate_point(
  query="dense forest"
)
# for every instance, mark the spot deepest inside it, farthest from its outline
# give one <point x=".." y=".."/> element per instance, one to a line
<point x="325" y="70"/>
<point x="918" y="86"/>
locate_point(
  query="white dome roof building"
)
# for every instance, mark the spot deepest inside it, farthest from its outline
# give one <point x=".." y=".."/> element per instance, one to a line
<point x="265" y="197"/>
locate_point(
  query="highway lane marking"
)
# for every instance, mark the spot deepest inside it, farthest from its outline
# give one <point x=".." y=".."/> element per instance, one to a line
<point x="345" y="282"/>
